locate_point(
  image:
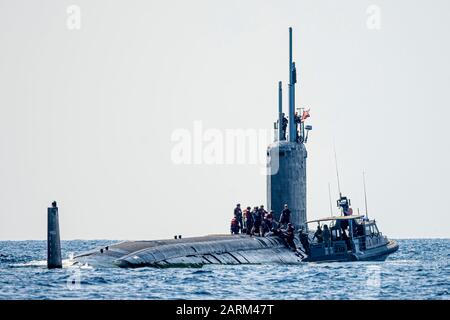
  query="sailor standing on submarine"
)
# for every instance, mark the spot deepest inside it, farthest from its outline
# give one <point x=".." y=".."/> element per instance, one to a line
<point x="285" y="217"/>
<point x="238" y="215"/>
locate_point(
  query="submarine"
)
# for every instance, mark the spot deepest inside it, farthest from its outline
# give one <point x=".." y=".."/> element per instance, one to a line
<point x="286" y="184"/>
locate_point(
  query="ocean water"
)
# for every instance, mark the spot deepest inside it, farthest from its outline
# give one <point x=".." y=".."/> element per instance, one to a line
<point x="419" y="270"/>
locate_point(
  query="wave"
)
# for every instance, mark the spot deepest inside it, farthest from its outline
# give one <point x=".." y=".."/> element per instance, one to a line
<point x="66" y="263"/>
<point x="29" y="264"/>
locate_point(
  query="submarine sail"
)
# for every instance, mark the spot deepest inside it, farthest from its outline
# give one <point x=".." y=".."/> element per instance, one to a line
<point x="286" y="158"/>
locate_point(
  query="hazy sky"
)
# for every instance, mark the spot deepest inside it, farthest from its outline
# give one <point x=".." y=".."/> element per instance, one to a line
<point x="86" y="116"/>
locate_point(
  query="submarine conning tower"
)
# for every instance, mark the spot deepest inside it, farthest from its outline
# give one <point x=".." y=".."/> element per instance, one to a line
<point x="286" y="157"/>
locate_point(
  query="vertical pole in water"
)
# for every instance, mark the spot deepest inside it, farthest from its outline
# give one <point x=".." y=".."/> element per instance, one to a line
<point x="280" y="111"/>
<point x="53" y="240"/>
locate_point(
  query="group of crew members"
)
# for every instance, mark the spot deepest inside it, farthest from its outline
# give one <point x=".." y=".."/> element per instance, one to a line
<point x="338" y="232"/>
<point x="259" y="222"/>
<point x="298" y="121"/>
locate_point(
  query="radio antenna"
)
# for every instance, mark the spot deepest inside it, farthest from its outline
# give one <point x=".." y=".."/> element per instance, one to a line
<point x="329" y="198"/>
<point x="337" y="172"/>
<point x="365" y="194"/>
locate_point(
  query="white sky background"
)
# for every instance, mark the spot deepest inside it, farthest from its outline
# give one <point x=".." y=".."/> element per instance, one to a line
<point x="86" y="116"/>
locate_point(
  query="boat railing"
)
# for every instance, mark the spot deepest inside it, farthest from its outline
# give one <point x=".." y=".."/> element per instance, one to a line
<point x="332" y="247"/>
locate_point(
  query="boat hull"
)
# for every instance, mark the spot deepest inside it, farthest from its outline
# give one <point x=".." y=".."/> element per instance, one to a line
<point x="379" y="253"/>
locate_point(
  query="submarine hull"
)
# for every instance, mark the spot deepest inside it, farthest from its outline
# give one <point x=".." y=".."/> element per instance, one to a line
<point x="192" y="252"/>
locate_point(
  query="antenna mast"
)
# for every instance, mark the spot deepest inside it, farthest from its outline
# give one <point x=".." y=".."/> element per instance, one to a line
<point x="280" y="112"/>
<point x="337" y="172"/>
<point x="329" y="198"/>
<point x="292" y="81"/>
<point x="365" y="194"/>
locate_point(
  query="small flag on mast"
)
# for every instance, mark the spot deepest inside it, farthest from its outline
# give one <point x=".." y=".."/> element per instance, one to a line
<point x="305" y="115"/>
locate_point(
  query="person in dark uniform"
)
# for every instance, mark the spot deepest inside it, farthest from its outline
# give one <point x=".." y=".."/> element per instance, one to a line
<point x="264" y="227"/>
<point x="298" y="121"/>
<point x="304" y="240"/>
<point x="257" y="220"/>
<point x="359" y="229"/>
<point x="268" y="220"/>
<point x="326" y="236"/>
<point x="288" y="235"/>
<point x="346" y="239"/>
<point x="262" y="211"/>
<point x="285" y="216"/>
<point x="318" y="234"/>
<point x="249" y="220"/>
<point x="284" y="125"/>
<point x="238" y="215"/>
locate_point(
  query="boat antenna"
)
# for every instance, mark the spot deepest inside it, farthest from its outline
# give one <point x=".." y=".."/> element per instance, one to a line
<point x="365" y="194"/>
<point x="329" y="198"/>
<point x="337" y="171"/>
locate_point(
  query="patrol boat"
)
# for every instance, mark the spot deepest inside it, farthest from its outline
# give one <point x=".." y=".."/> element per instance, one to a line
<point x="348" y="238"/>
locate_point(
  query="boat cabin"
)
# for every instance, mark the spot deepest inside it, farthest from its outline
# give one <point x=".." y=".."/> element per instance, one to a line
<point x="342" y="237"/>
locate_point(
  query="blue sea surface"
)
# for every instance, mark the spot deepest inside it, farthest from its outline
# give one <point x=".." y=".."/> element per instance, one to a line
<point x="419" y="270"/>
